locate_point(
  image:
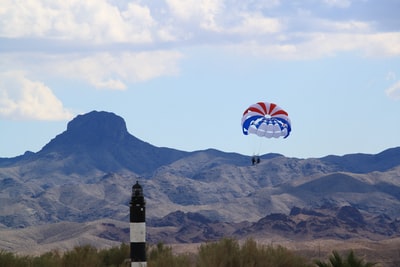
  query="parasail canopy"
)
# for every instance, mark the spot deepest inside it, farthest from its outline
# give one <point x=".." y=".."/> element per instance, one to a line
<point x="266" y="120"/>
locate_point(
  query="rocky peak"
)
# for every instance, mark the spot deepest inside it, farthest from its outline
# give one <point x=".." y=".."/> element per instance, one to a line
<point x="98" y="123"/>
<point x="100" y="140"/>
<point x="91" y="130"/>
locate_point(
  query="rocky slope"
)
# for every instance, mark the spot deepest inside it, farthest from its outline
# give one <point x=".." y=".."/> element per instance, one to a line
<point x="85" y="174"/>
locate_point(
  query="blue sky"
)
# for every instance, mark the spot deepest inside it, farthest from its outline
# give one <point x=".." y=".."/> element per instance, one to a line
<point x="181" y="73"/>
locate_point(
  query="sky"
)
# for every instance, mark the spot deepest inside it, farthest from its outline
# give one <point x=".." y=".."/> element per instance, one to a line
<point x="182" y="72"/>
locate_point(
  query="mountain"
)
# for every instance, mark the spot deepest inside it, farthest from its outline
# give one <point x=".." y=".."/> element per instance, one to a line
<point x="364" y="163"/>
<point x="85" y="174"/>
<point x="100" y="140"/>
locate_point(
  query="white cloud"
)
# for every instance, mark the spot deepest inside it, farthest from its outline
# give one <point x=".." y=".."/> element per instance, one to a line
<point x="256" y="24"/>
<point x="21" y="98"/>
<point x="183" y="10"/>
<point x="92" y="21"/>
<point x="317" y="45"/>
<point x="115" y="70"/>
<point x="344" y="26"/>
<point x="198" y="13"/>
<point x="102" y="70"/>
<point x="394" y="91"/>
<point x="271" y="28"/>
<point x="383" y="44"/>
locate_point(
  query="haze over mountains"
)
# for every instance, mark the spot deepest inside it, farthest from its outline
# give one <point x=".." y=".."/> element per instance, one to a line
<point x="83" y="177"/>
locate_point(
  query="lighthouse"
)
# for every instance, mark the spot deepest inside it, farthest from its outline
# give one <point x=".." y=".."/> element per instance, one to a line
<point x="138" y="227"/>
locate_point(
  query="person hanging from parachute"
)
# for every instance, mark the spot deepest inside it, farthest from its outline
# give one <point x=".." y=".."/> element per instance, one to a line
<point x="265" y="120"/>
<point x="255" y="159"/>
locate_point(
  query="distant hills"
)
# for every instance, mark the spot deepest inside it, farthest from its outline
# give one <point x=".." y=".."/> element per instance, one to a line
<point x="85" y="174"/>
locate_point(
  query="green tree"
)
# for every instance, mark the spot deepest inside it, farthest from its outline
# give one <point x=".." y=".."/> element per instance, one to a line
<point x="351" y="260"/>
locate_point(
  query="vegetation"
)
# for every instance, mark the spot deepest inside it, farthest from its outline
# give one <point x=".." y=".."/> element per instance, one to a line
<point x="228" y="253"/>
<point x="225" y="253"/>
<point x="163" y="256"/>
<point x="335" y="260"/>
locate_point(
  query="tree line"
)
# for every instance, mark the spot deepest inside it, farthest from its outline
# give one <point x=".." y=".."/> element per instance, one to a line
<point x="225" y="253"/>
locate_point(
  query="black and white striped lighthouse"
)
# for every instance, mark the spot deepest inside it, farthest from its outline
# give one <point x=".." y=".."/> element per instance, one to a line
<point x="138" y="227"/>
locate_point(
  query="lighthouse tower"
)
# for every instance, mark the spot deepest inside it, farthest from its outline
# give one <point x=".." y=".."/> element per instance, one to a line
<point x="138" y="227"/>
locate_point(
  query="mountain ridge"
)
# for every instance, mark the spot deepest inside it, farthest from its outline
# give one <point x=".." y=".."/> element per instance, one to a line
<point x="85" y="174"/>
<point x="101" y="140"/>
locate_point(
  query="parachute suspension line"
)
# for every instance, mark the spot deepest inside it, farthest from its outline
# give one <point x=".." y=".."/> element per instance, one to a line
<point x="259" y="146"/>
<point x="255" y="145"/>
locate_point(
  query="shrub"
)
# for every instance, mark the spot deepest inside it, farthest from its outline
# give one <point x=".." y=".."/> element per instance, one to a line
<point x="85" y="256"/>
<point x="8" y="259"/>
<point x="115" y="256"/>
<point x="228" y="253"/>
<point x="48" y="259"/>
<point x="161" y="255"/>
<point x="225" y="253"/>
<point x="351" y="260"/>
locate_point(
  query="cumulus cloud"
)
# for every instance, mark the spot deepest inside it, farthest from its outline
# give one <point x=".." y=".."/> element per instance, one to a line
<point x="114" y="70"/>
<point x="91" y="21"/>
<point x="256" y="24"/>
<point x="344" y="26"/>
<point x="394" y="91"/>
<point x="317" y="45"/>
<point x="111" y="43"/>
<point x="202" y="13"/>
<point x="103" y="70"/>
<point x="21" y="98"/>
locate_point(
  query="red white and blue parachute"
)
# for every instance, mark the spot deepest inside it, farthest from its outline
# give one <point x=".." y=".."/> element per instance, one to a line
<point x="266" y="120"/>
